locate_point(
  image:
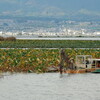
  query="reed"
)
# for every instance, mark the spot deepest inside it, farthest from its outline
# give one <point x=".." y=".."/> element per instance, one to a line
<point x="1" y="38"/>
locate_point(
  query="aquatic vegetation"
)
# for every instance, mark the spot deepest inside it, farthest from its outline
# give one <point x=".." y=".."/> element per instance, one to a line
<point x="30" y="59"/>
<point x="50" y="44"/>
<point x="37" y="60"/>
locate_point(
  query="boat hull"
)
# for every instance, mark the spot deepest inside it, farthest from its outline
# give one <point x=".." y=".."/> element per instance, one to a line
<point x="81" y="70"/>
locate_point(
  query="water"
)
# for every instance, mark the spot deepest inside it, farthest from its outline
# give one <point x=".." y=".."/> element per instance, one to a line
<point x="70" y="38"/>
<point x="49" y="86"/>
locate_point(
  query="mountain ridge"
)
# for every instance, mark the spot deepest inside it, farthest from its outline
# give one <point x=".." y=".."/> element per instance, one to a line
<point x="49" y="8"/>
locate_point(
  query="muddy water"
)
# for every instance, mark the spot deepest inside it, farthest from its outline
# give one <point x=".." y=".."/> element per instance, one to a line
<point x="49" y="86"/>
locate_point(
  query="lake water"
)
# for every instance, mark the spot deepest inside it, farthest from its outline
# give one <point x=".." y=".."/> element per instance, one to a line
<point x="49" y="86"/>
<point x="70" y="38"/>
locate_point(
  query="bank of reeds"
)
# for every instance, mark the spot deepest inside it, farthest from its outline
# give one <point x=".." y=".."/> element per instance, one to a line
<point x="7" y="38"/>
<point x="1" y="38"/>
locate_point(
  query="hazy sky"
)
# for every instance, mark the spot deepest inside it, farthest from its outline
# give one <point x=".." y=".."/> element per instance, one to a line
<point x="49" y="7"/>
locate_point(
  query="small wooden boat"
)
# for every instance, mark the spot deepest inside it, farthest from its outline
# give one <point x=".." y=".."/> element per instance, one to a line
<point x="92" y="70"/>
<point x="82" y="64"/>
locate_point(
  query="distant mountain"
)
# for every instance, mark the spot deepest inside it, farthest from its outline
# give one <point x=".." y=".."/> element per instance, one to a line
<point x="51" y="8"/>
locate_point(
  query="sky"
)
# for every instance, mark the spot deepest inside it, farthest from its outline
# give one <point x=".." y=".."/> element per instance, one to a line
<point x="56" y="8"/>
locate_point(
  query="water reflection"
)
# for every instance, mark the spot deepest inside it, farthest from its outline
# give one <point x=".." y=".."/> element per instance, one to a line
<point x="1" y="75"/>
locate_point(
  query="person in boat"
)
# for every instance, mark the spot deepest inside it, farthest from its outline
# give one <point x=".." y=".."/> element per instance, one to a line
<point x="98" y="65"/>
<point x="87" y="62"/>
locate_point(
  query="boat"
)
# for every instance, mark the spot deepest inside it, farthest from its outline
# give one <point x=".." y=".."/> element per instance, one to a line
<point x="83" y="64"/>
<point x="96" y="71"/>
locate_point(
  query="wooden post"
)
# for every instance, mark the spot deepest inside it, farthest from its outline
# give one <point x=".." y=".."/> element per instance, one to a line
<point x="61" y="61"/>
<point x="66" y="59"/>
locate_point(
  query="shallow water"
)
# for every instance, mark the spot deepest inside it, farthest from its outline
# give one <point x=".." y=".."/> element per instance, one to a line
<point x="70" y="38"/>
<point x="49" y="86"/>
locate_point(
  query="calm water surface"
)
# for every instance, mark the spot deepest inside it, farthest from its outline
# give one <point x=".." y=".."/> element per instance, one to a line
<point x="49" y="86"/>
<point x="71" y="38"/>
